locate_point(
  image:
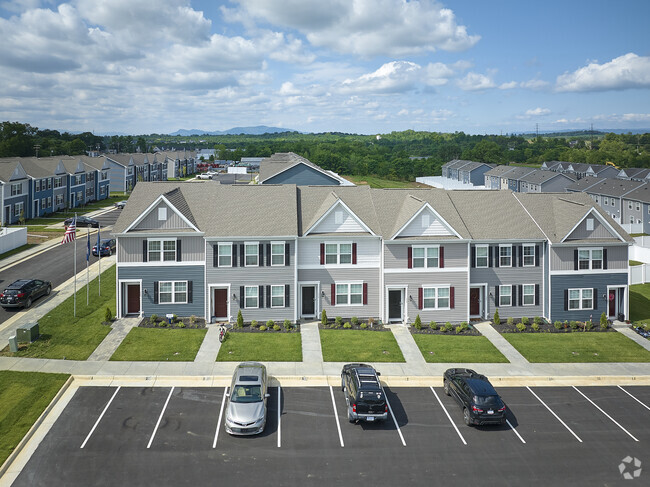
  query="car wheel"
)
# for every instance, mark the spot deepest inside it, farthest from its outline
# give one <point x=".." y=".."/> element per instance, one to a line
<point x="28" y="303"/>
<point x="446" y="386"/>
<point x="466" y="417"/>
<point x="110" y="252"/>
<point x="48" y="290"/>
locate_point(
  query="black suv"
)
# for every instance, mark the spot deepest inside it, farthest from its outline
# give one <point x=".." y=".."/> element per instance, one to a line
<point x="21" y="293"/>
<point x="480" y="402"/>
<point x="364" y="395"/>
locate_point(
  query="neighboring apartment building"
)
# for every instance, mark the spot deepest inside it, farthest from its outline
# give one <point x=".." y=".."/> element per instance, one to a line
<point x="636" y="209"/>
<point x="581" y="170"/>
<point x="289" y="252"/>
<point x="468" y="172"/>
<point x="609" y="194"/>
<point x="540" y="181"/>
<point x="290" y="168"/>
<point x="496" y="178"/>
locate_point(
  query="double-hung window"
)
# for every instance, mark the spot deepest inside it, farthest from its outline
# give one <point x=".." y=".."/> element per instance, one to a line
<point x="162" y="251"/>
<point x="277" y="296"/>
<point x="505" y="295"/>
<point x="251" y="297"/>
<point x="528" y="294"/>
<point x="581" y="298"/>
<point x="425" y="257"/>
<point x="225" y="255"/>
<point x="338" y="253"/>
<point x="605" y="200"/>
<point x="18" y="208"/>
<point x="16" y="189"/>
<point x="252" y="253"/>
<point x="37" y="185"/>
<point x="349" y="294"/>
<point x="435" y="297"/>
<point x="172" y="292"/>
<point x="481" y="256"/>
<point x="590" y="259"/>
<point x="529" y="255"/>
<point x="277" y="253"/>
<point x="505" y="255"/>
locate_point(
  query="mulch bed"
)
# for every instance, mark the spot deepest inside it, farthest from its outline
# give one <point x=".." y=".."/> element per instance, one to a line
<point x="549" y="328"/>
<point x="332" y="325"/>
<point x="247" y="328"/>
<point x="471" y="331"/>
<point x="186" y="323"/>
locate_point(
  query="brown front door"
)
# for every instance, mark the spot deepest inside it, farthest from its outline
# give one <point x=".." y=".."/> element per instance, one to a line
<point x="133" y="298"/>
<point x="612" y="302"/>
<point x="221" y="303"/>
<point x="474" y="301"/>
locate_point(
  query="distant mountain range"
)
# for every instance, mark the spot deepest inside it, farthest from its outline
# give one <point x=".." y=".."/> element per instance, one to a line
<point x="257" y="130"/>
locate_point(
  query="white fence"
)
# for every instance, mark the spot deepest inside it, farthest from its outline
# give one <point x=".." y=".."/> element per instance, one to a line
<point x="11" y="238"/>
<point x="446" y="183"/>
<point x="640" y="274"/>
<point x="632" y="227"/>
<point x="642" y="242"/>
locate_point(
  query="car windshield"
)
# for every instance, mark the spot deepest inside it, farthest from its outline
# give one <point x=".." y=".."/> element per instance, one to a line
<point x="487" y="401"/>
<point x="246" y="393"/>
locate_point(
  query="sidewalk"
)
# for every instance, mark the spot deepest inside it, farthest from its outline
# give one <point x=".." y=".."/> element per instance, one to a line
<point x="119" y="330"/>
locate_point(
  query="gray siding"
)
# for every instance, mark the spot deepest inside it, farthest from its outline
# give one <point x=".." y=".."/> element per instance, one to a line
<point x="562" y="258"/>
<point x="597" y="281"/>
<point x="150" y="274"/>
<point x="396" y="255"/>
<point x="151" y="222"/>
<point x="130" y="249"/>
<point x="497" y="276"/>
<point x="557" y="184"/>
<point x="302" y="175"/>
<point x="599" y="231"/>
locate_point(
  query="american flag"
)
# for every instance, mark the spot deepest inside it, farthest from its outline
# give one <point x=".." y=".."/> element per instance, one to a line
<point x="70" y="232"/>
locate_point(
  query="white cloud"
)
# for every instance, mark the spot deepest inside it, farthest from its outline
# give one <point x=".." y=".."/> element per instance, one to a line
<point x="393" y="77"/>
<point x="402" y="112"/>
<point x="534" y="84"/>
<point x="476" y="82"/>
<point x="441" y="115"/>
<point x="363" y="27"/>
<point x="535" y="112"/>
<point x="509" y="85"/>
<point x="18" y="6"/>
<point x="636" y="117"/>
<point x="624" y="72"/>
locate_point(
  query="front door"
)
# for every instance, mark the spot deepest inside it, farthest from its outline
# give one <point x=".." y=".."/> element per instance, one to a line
<point x="221" y="303"/>
<point x="475" y="301"/>
<point x="395" y="304"/>
<point x="35" y="213"/>
<point x="308" y="300"/>
<point x="133" y="298"/>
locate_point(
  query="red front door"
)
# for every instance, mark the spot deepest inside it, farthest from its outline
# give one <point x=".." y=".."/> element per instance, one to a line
<point x="474" y="301"/>
<point x="133" y="298"/>
<point x="221" y="303"/>
<point x="612" y="302"/>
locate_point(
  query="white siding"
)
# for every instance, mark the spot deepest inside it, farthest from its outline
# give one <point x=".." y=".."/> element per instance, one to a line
<point x="419" y="228"/>
<point x="348" y="223"/>
<point x="368" y="251"/>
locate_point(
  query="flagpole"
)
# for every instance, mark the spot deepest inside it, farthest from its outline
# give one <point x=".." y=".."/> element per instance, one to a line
<point x="87" y="261"/>
<point x="99" y="262"/>
<point x="75" y="267"/>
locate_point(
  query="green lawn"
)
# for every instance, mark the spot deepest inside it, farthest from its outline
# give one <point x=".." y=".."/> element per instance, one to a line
<point x="640" y="303"/>
<point x="17" y="250"/>
<point x="160" y="344"/>
<point x="264" y="347"/>
<point x="359" y="346"/>
<point x="577" y="347"/>
<point x="63" y="335"/>
<point x="376" y="182"/>
<point x="457" y="348"/>
<point x="23" y="398"/>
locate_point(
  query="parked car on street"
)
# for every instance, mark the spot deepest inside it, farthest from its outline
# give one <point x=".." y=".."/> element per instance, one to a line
<point x="364" y="396"/>
<point x="246" y="409"/>
<point x="106" y="247"/>
<point x="120" y="204"/>
<point x="480" y="402"/>
<point x="23" y="292"/>
<point x="206" y="175"/>
<point x="82" y="221"/>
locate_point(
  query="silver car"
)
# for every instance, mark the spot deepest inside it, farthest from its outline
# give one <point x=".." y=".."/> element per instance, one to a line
<point x="246" y="410"/>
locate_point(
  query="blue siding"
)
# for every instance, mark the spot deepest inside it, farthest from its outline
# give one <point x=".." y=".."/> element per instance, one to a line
<point x="302" y="175"/>
<point x="477" y="176"/>
<point x="597" y="281"/>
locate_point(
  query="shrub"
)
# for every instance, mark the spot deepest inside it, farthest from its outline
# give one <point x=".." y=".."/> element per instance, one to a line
<point x="417" y="324"/>
<point x="573" y="325"/>
<point x="603" y="319"/>
<point x="433" y="325"/>
<point x="153" y="318"/>
<point x="277" y="327"/>
<point x="558" y="325"/>
<point x="510" y="320"/>
<point x="240" y="320"/>
<point x="254" y="324"/>
<point x="589" y="325"/>
<point x="521" y="327"/>
<point x="323" y="318"/>
<point x="287" y="324"/>
<point x="262" y="327"/>
<point x="464" y="326"/>
<point x="270" y="324"/>
<point x="363" y="326"/>
<point x="538" y="320"/>
<point x="448" y="326"/>
<point x="354" y="320"/>
<point x="525" y="320"/>
<point x="459" y="329"/>
<point x="181" y="325"/>
<point x="174" y="318"/>
<point x="108" y="314"/>
<point x="347" y="325"/>
<point x="496" y="319"/>
<point x="603" y="326"/>
<point x="443" y="328"/>
<point x="371" y="322"/>
<point x="163" y="324"/>
<point x="338" y="320"/>
<point x="535" y="326"/>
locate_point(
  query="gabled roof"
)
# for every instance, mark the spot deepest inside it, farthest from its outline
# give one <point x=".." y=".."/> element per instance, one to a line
<point x="634" y="172"/>
<point x="472" y="166"/>
<point x="283" y="161"/>
<point x="456" y="163"/>
<point x="557" y="165"/>
<point x="11" y="170"/>
<point x="541" y="176"/>
<point x="614" y="187"/>
<point x="499" y="171"/>
<point x="518" y="172"/>
<point x="641" y="193"/>
<point x="583" y="184"/>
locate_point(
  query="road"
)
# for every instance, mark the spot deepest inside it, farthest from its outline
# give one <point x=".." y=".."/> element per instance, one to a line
<point x="56" y="264"/>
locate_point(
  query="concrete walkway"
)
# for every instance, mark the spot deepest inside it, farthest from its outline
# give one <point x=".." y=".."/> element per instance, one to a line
<point x="500" y="343"/>
<point x="210" y="346"/>
<point x="312" y="353"/>
<point x="119" y="330"/>
<point x="625" y="329"/>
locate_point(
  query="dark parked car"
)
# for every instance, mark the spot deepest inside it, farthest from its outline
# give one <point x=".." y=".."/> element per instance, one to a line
<point x="480" y="402"/>
<point x="83" y="221"/>
<point x="106" y="246"/>
<point x="23" y="292"/>
<point x="364" y="395"/>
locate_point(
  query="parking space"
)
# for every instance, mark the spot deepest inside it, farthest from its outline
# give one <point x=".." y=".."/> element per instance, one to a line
<point x="175" y="435"/>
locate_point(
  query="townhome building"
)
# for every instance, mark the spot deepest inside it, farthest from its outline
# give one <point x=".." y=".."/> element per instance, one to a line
<point x="581" y="170"/>
<point x="636" y="209"/>
<point x="290" y="252"/>
<point x="468" y="172"/>
<point x="609" y="194"/>
<point x="15" y="191"/>
<point x="540" y="181"/>
<point x="496" y="178"/>
<point x="635" y="174"/>
<point x="290" y="168"/>
<point x="179" y="163"/>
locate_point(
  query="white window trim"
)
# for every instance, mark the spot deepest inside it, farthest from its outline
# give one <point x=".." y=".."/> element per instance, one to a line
<point x="501" y="305"/>
<point x="18" y="187"/>
<point x="523" y="295"/>
<point x="349" y="284"/>
<point x="523" y="257"/>
<point x="580" y="299"/>
<point x="505" y="246"/>
<point x="18" y="205"/>
<point x="173" y="292"/>
<point x="338" y="253"/>
<point x="257" y="297"/>
<point x="426" y="259"/>
<point x="591" y="250"/>
<point x="223" y="244"/>
<point x="257" y="254"/>
<point x="282" y="294"/>
<point x="437" y="287"/>
<point x="487" y="256"/>
<point x="282" y="253"/>
<point x="162" y="251"/>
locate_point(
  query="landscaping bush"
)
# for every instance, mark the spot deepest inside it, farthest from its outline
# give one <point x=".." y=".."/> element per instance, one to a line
<point x="558" y="325"/>
<point x="153" y="318"/>
<point x="371" y="322"/>
<point x="510" y="320"/>
<point x="277" y="327"/>
<point x="573" y="325"/>
<point x="464" y="326"/>
<point x="193" y="320"/>
<point x="240" y="320"/>
<point x="603" y="319"/>
<point x="363" y="326"/>
<point x="459" y="329"/>
<point x="588" y="325"/>
<point x="535" y="326"/>
<point x="254" y="324"/>
<point x="287" y="324"/>
<point x="537" y="320"/>
<point x="433" y="325"/>
<point x="417" y="324"/>
<point x="443" y="328"/>
<point x="496" y="319"/>
<point x="270" y="324"/>
<point x="448" y="326"/>
<point x="347" y="325"/>
<point x="181" y="325"/>
<point x="262" y="327"/>
<point x="108" y="314"/>
<point x="354" y="320"/>
<point x="174" y="318"/>
<point x="521" y="327"/>
<point x="524" y="320"/>
<point x="323" y="318"/>
<point x="603" y="326"/>
<point x="338" y="320"/>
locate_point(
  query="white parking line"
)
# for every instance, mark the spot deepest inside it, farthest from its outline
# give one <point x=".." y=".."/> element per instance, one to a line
<point x="279" y="412"/>
<point x="336" y="417"/>
<point x="448" y="417"/>
<point x="516" y="432"/>
<point x="642" y="404"/>
<point x="393" y="416"/>
<point x="100" y="416"/>
<point x="553" y="413"/>
<point x="160" y="418"/>
<point x="599" y="409"/>
<point x="216" y="433"/>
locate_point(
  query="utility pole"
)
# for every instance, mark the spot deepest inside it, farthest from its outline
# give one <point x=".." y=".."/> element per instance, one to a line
<point x="537" y="130"/>
<point x="36" y="148"/>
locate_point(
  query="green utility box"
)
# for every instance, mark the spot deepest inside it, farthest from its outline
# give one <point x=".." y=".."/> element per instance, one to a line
<point x="27" y="332"/>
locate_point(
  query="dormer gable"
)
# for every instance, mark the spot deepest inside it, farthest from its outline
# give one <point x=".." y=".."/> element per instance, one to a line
<point x="18" y="173"/>
<point x="426" y="222"/>
<point x="339" y="218"/>
<point x="162" y="215"/>
<point x="593" y="226"/>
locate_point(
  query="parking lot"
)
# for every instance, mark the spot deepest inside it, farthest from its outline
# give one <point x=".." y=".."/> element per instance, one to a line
<point x="175" y="436"/>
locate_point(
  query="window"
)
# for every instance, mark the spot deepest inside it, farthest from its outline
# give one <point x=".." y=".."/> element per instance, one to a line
<point x="581" y="298"/>
<point x="37" y="185"/>
<point x="49" y="201"/>
<point x="612" y="202"/>
<point x="104" y="176"/>
<point x="102" y="190"/>
<point x="80" y="195"/>
<point x="90" y="176"/>
<point x="18" y="208"/>
<point x="59" y="199"/>
<point x="277" y="296"/>
<point x="162" y="250"/>
<point x="637" y="206"/>
<point x="529" y="255"/>
<point x="16" y="189"/>
<point x="590" y="224"/>
<point x="251" y="251"/>
<point x="42" y="203"/>
<point x="481" y="256"/>
<point x="58" y="182"/>
<point x="631" y="219"/>
<point x="605" y="200"/>
<point x="435" y="298"/>
<point x="349" y="294"/>
<point x="338" y="253"/>
<point x="425" y="257"/>
<point x="162" y="214"/>
<point x="629" y="205"/>
<point x="172" y="292"/>
<point x="277" y="253"/>
<point x="225" y="255"/>
<point x="251" y="297"/>
<point x="505" y="255"/>
<point x="528" y="294"/>
<point x="89" y="192"/>
<point x="77" y="180"/>
<point x="505" y="295"/>
<point x="590" y="259"/>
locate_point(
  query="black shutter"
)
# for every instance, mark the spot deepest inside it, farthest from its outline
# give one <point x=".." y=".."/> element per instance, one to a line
<point x="521" y="256"/>
<point x="490" y="256"/>
<point x="268" y="296"/>
<point x="144" y="250"/>
<point x="287" y="295"/>
<point x="604" y="258"/>
<point x="365" y="293"/>
<point x="513" y="256"/>
<point x="260" y="295"/>
<point x="189" y="291"/>
<point x="536" y="294"/>
<point x="155" y="292"/>
<point x="566" y="300"/>
<point x="575" y="260"/>
<point x="473" y="256"/>
<point x="496" y="295"/>
<point x="260" y="254"/>
<point x="595" y="291"/>
<point x="178" y="250"/>
<point x="234" y="255"/>
<point x="521" y="294"/>
<point x="497" y="256"/>
<point x="287" y="253"/>
<point x="268" y="254"/>
<point x="513" y="295"/>
<point x="241" y="296"/>
<point x="536" y="255"/>
<point x="215" y="255"/>
<point x="241" y="255"/>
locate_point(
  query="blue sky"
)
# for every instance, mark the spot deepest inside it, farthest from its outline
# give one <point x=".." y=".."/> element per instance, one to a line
<point x="363" y="66"/>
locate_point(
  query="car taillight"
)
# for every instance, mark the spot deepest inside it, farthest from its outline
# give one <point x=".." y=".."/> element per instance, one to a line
<point x="502" y="409"/>
<point x="476" y="410"/>
<point x="385" y="408"/>
<point x="354" y="408"/>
